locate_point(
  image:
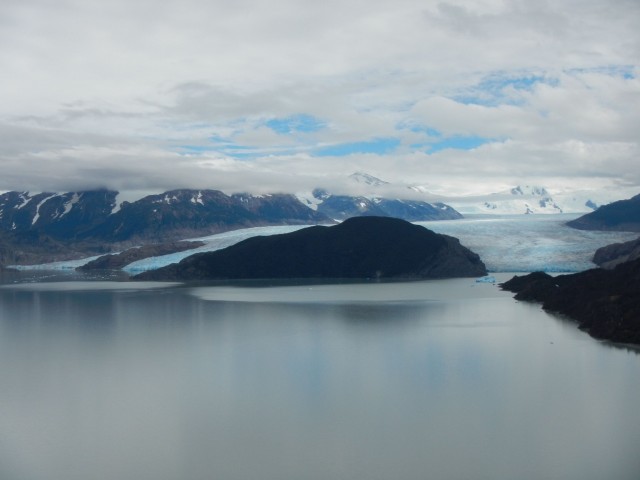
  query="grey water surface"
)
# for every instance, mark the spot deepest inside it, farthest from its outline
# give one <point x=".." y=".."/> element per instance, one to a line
<point x="447" y="379"/>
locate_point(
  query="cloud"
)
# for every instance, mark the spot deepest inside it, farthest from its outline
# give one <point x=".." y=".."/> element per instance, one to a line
<point x="252" y="96"/>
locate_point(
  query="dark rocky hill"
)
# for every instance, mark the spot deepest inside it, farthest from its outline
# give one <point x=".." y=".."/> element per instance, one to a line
<point x="605" y="303"/>
<point x="360" y="247"/>
<point x="623" y="215"/>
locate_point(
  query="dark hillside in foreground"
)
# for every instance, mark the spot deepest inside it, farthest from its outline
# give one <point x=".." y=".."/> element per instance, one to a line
<point x="605" y="303"/>
<point x="360" y="247"/>
<point x="623" y="215"/>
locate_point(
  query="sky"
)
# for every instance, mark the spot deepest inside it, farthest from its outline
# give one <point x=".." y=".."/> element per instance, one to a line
<point x="461" y="97"/>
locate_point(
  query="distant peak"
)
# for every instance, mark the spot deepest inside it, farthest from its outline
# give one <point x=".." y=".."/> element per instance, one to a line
<point x="529" y="190"/>
<point x="367" y="179"/>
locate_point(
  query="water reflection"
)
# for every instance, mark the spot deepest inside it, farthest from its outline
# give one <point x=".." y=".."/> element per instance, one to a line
<point x="396" y="381"/>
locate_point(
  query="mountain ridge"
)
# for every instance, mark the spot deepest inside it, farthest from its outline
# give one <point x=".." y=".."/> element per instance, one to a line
<point x="623" y="215"/>
<point x="375" y="197"/>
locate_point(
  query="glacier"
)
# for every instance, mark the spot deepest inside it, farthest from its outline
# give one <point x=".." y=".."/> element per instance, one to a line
<point x="212" y="243"/>
<point x="507" y="243"/>
<point x="527" y="243"/>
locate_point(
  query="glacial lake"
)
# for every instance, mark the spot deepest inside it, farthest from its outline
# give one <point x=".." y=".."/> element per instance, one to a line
<point x="444" y="380"/>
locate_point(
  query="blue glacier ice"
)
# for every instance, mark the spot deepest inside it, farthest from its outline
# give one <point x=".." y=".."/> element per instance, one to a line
<point x="527" y="243"/>
<point x="486" y="279"/>
<point x="212" y="243"/>
<point x="510" y="243"/>
<point x="62" y="265"/>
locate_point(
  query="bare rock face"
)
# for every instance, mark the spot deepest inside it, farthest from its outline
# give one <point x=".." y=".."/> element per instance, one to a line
<point x="612" y="255"/>
<point x="360" y="247"/>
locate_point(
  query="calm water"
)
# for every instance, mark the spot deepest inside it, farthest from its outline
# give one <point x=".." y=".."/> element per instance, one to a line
<point x="439" y="380"/>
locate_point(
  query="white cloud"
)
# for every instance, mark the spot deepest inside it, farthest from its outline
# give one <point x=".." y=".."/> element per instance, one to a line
<point x="110" y="93"/>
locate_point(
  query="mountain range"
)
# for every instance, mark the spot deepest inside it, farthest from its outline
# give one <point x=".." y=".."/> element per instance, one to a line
<point x="341" y="207"/>
<point x="44" y="227"/>
<point x="527" y="199"/>
<point x="517" y="200"/>
<point x="57" y="226"/>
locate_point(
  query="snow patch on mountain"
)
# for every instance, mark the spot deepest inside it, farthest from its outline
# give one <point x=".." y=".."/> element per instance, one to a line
<point x="197" y="199"/>
<point x="69" y="205"/>
<point x="130" y="197"/>
<point x="42" y="202"/>
<point x="26" y="198"/>
<point x="309" y="199"/>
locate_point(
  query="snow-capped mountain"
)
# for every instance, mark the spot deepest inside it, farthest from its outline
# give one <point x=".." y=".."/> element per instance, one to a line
<point x="96" y="216"/>
<point x="366" y="179"/>
<point x="525" y="199"/>
<point x="340" y="207"/>
<point x="375" y="203"/>
<point x="521" y="199"/>
<point x="69" y="214"/>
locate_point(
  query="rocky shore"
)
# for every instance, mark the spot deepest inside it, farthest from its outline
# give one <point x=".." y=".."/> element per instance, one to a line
<point x="604" y="303"/>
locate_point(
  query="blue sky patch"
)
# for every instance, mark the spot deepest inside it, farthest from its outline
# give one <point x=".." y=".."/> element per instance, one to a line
<point x="490" y="91"/>
<point x="379" y="146"/>
<point x="419" y="128"/>
<point x="624" y="71"/>
<point x="186" y="149"/>
<point x="295" y="123"/>
<point x="458" y="143"/>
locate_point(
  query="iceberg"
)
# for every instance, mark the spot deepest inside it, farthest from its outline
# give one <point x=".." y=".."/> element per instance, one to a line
<point x="486" y="279"/>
